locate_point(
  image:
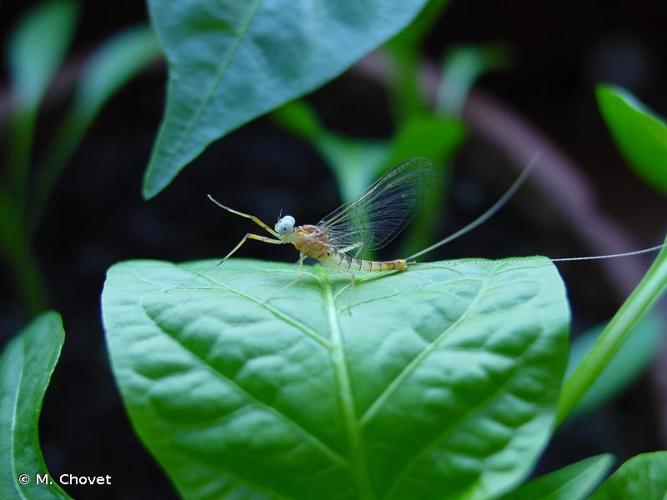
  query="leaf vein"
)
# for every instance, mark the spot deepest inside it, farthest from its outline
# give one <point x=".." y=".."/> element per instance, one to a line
<point x="462" y="419"/>
<point x="327" y="450"/>
<point x="218" y="78"/>
<point x="396" y="382"/>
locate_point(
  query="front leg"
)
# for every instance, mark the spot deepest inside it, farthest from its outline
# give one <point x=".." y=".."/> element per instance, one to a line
<point x="252" y="237"/>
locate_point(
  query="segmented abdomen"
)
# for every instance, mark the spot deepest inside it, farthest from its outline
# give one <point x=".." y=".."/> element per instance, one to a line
<point x="347" y="263"/>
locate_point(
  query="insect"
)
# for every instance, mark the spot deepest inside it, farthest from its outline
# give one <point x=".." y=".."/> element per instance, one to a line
<point x="374" y="219"/>
<point x="368" y="223"/>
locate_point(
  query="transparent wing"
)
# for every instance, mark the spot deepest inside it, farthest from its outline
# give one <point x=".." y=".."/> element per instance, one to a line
<point x="377" y="216"/>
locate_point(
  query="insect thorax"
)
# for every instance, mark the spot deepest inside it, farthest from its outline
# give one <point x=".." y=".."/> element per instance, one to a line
<point x="310" y="240"/>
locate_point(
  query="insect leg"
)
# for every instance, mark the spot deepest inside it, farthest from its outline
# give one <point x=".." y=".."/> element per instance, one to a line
<point x="256" y="220"/>
<point x="299" y="275"/>
<point x="349" y="297"/>
<point x="252" y="237"/>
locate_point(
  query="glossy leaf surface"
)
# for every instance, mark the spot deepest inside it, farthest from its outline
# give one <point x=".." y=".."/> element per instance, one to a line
<point x="643" y="476"/>
<point x="574" y="482"/>
<point x="441" y="381"/>
<point x="640" y="134"/>
<point x="230" y="62"/>
<point x="26" y="365"/>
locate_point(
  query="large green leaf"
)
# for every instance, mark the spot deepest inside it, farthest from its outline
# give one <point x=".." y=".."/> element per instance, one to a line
<point x="573" y="482"/>
<point x="643" y="476"/>
<point x="26" y="365"/>
<point x="640" y="134"/>
<point x="230" y="62"/>
<point x="438" y="382"/>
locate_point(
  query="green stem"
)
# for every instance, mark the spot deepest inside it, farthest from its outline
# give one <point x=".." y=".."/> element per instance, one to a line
<point x="15" y="249"/>
<point x="18" y="160"/>
<point x="639" y="302"/>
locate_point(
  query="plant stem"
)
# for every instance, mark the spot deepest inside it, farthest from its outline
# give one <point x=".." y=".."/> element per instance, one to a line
<point x="639" y="302"/>
<point x="20" y="147"/>
<point x="16" y="250"/>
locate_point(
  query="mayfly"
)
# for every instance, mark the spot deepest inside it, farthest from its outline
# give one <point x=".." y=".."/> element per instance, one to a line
<point x="374" y="219"/>
<point x="368" y="223"/>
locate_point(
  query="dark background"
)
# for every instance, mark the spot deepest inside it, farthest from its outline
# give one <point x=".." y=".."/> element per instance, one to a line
<point x="97" y="216"/>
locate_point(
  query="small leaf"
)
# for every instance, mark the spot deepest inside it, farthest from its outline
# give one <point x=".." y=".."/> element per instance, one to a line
<point x="462" y="67"/>
<point x="437" y="138"/>
<point x="115" y="63"/>
<point x="355" y="163"/>
<point x="300" y="119"/>
<point x="643" y="476"/>
<point x="632" y="359"/>
<point x="110" y="67"/>
<point x="26" y="365"/>
<point x="438" y="382"/>
<point x="405" y="91"/>
<point x="230" y="62"/>
<point x="640" y="134"/>
<point x="573" y="482"/>
<point x="37" y="48"/>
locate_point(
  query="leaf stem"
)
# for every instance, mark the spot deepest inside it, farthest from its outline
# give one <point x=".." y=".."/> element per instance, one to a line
<point x="639" y="302"/>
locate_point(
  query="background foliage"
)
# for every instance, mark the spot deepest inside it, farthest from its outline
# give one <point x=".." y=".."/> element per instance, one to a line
<point x="307" y="157"/>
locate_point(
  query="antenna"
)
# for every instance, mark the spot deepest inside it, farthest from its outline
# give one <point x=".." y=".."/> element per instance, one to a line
<point x="613" y="255"/>
<point x="502" y="201"/>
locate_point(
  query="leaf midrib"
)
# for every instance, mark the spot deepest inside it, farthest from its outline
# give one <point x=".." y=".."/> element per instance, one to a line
<point x="359" y="466"/>
<point x="321" y="445"/>
<point x="245" y="27"/>
<point x="12" y="434"/>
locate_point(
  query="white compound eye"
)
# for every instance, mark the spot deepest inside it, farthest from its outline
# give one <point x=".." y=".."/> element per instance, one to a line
<point x="285" y="225"/>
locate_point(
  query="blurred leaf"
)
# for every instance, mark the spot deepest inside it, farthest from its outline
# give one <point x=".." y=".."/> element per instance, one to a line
<point x="412" y="37"/>
<point x="461" y="68"/>
<point x="437" y="138"/>
<point x="573" y="482"/>
<point x="405" y="90"/>
<point x="629" y="363"/>
<point x="431" y="136"/>
<point x="355" y="163"/>
<point x="19" y="257"/>
<point x="440" y="382"/>
<point x="615" y="334"/>
<point x="640" y="134"/>
<point x="26" y="366"/>
<point x="230" y="62"/>
<point x="36" y="50"/>
<point x="643" y="477"/>
<point x="109" y="69"/>
<point x="299" y="118"/>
